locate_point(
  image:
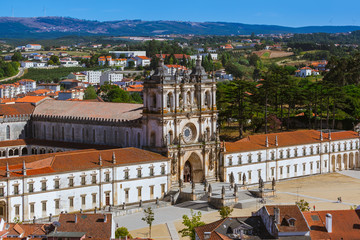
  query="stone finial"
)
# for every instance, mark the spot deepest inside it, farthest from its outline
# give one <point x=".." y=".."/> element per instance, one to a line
<point x="193" y="185"/>
<point x="235" y="190"/>
<point x="321" y="136"/>
<point x="24" y="168"/>
<point x="267" y="142"/>
<point x="329" y="135"/>
<point x="210" y="189"/>
<point x="113" y="158"/>
<point x="100" y="160"/>
<point x="7" y="170"/>
<point x="223" y="192"/>
<point x="276" y="141"/>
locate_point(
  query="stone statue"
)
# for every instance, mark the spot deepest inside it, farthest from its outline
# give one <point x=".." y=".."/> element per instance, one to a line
<point x="180" y="183"/>
<point x="261" y="183"/>
<point x="174" y="166"/>
<point x="232" y="179"/>
<point x="193" y="185"/>
<point x="223" y="192"/>
<point x="244" y="179"/>
<point x="205" y="185"/>
<point x="273" y="183"/>
<point x="210" y="189"/>
<point x="236" y="190"/>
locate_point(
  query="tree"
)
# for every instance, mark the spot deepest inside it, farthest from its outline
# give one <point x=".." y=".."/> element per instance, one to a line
<point x="225" y="211"/>
<point x="122" y="232"/>
<point x="90" y="93"/>
<point x="131" y="64"/>
<point x="17" y="57"/>
<point x="253" y="59"/>
<point x="149" y="218"/>
<point x="190" y="224"/>
<point x="55" y="59"/>
<point x="303" y="205"/>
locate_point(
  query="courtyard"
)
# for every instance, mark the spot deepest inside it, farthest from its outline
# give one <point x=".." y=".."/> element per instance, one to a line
<point x="320" y="191"/>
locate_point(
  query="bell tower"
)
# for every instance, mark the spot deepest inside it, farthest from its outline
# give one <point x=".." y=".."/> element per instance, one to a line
<point x="180" y="120"/>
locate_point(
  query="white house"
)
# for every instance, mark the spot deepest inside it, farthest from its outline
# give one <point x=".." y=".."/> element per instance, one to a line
<point x="30" y="85"/>
<point x="306" y="72"/>
<point x="33" y="46"/>
<point x="142" y="61"/>
<point x="128" y="54"/>
<point x="289" y="154"/>
<point x="78" y="76"/>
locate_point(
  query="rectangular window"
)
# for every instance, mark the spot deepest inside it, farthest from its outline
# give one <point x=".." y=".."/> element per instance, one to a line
<point x="281" y="154"/>
<point x="151" y="171"/>
<point x="295" y="168"/>
<point x="43" y="206"/>
<point x="296" y="152"/>
<point x="83" y="200"/>
<point x="43" y="186"/>
<point x="57" y="184"/>
<point x="94" y="198"/>
<point x="288" y="153"/>
<point x="312" y="151"/>
<point x="93" y="179"/>
<point x="304" y="152"/>
<point x="71" y="182"/>
<point x="317" y="150"/>
<point x="272" y="156"/>
<point x="249" y="175"/>
<point x="139" y="192"/>
<point x="71" y="202"/>
<point x="126" y="176"/>
<point x="139" y="173"/>
<point x="288" y="169"/>
<point x="281" y="170"/>
<point x="126" y="195"/>
<point x="272" y="172"/>
<point x="17" y="210"/>
<point x="249" y="159"/>
<point x="107" y="177"/>
<point x="325" y="164"/>
<point x="162" y="170"/>
<point x="311" y="166"/>
<point x="151" y="192"/>
<point x="31" y="187"/>
<point x="83" y="180"/>
<point x="1" y="192"/>
<point x="317" y="165"/>
<point x="230" y="161"/>
<point x="32" y="208"/>
<point x="57" y="204"/>
<point x="16" y="190"/>
<point x="304" y="167"/>
<point x="239" y="159"/>
<point x="333" y="148"/>
<point x="326" y="149"/>
<point x="259" y="174"/>
<point x="259" y="157"/>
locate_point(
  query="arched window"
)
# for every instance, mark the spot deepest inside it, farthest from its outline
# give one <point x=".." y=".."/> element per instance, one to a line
<point x="24" y="151"/>
<point x="170" y="104"/>
<point x="7" y="132"/>
<point x="16" y="152"/>
<point x="152" y="139"/>
<point x="127" y="139"/>
<point x="138" y="140"/>
<point x="207" y="101"/>
<point x="170" y="138"/>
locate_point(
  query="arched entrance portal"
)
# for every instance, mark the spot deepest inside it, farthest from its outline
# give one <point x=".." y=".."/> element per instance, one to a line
<point x="193" y="169"/>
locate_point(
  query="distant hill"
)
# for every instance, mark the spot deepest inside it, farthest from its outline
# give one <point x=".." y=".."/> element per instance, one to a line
<point x="47" y="27"/>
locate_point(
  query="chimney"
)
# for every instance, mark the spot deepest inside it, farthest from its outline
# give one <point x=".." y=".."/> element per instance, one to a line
<point x="75" y="218"/>
<point x="24" y="168"/>
<point x="7" y="170"/>
<point x="113" y="158"/>
<point x="267" y="142"/>
<point x="100" y="160"/>
<point x="329" y="135"/>
<point x="277" y="215"/>
<point x="105" y="218"/>
<point x="276" y="141"/>
<point x="329" y="222"/>
<point x="321" y="136"/>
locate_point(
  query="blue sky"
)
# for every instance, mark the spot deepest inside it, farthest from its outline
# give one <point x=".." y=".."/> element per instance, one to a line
<point x="278" y="12"/>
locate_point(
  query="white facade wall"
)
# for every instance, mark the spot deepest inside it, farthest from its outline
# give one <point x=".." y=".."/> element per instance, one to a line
<point x="93" y="76"/>
<point x="328" y="156"/>
<point x="115" y="188"/>
<point x="111" y="77"/>
<point x="129" y="53"/>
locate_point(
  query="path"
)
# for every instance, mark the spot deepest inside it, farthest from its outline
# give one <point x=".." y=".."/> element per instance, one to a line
<point x="161" y="215"/>
<point x="19" y="74"/>
<point x="351" y="173"/>
<point x="172" y="230"/>
<point x="315" y="198"/>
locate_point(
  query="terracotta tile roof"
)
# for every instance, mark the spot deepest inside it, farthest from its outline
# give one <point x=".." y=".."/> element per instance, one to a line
<point x="16" y="109"/>
<point x="345" y="224"/>
<point x="26" y="80"/>
<point x="38" y="142"/>
<point x="31" y="99"/>
<point x="177" y="56"/>
<point x="208" y="228"/>
<point x="287" y="212"/>
<point x="26" y="230"/>
<point x="76" y="161"/>
<point x="92" y="224"/>
<point x="300" y="137"/>
<point x="106" y="110"/>
<point x="7" y="100"/>
<point x="143" y="57"/>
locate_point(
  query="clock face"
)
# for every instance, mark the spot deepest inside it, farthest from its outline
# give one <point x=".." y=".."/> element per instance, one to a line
<point x="189" y="133"/>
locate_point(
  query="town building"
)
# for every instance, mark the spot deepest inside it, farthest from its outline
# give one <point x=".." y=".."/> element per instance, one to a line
<point x="142" y="61"/>
<point x="82" y="77"/>
<point x="110" y="77"/>
<point x="93" y="76"/>
<point x="306" y="72"/>
<point x="128" y="54"/>
<point x="31" y="47"/>
<point x="53" y="86"/>
<point x="76" y="93"/>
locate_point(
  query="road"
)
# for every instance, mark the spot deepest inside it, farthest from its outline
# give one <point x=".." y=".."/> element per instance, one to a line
<point x="19" y="74"/>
